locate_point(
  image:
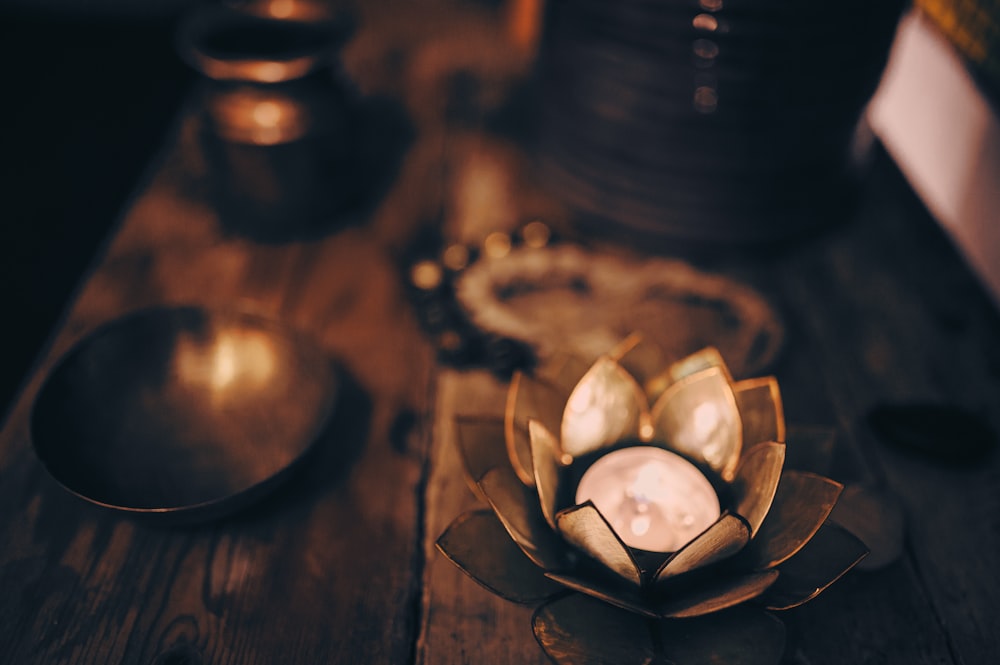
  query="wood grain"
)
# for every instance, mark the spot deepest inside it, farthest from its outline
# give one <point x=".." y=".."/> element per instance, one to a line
<point x="339" y="565"/>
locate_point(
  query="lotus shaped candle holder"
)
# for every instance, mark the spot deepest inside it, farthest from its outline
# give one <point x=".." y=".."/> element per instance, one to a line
<point x="645" y="508"/>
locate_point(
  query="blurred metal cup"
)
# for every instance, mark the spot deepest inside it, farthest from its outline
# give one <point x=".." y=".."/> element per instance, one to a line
<point x="706" y="122"/>
<point x="275" y="122"/>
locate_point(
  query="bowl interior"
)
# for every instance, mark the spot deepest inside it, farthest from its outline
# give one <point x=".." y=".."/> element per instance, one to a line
<point x="181" y="409"/>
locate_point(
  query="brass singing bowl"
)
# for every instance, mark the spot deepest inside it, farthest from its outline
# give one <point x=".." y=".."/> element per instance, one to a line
<point x="182" y="413"/>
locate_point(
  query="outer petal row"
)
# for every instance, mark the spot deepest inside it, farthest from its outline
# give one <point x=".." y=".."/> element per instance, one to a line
<point x="501" y="568"/>
<point x="580" y="630"/>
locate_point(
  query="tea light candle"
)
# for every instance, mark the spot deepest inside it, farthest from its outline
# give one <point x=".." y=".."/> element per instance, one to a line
<point x="654" y="499"/>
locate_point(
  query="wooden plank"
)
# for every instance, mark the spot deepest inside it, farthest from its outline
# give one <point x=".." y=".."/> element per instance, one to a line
<point x="326" y="570"/>
<point x="892" y="316"/>
<point x="463" y="622"/>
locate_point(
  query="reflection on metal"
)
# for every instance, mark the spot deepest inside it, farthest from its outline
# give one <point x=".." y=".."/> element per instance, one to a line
<point x="480" y="442"/>
<point x="516" y="507"/>
<point x="274" y="124"/>
<point x="705" y="22"/>
<point x="763" y="537"/>
<point x="515" y="577"/>
<point x="299" y="10"/>
<point x="726" y="537"/>
<point x="705" y="49"/>
<point x="579" y="629"/>
<point x="524" y="24"/>
<point x="181" y="413"/>
<point x="759" y="402"/>
<point x="698" y="416"/>
<point x="529" y="399"/>
<point x="821" y="562"/>
<point x="605" y="407"/>
<point x="248" y="115"/>
<point x="719" y="594"/>
<point x="584" y="631"/>
<point x="273" y="44"/>
<point x="237" y="360"/>
<point x="548" y="464"/>
<point x="756" y="481"/>
<point x="706" y="99"/>
<point x="586" y="529"/>
<point x="800" y="506"/>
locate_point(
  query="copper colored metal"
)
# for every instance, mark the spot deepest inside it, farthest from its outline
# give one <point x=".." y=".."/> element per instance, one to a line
<point x="181" y="413"/>
<point x="769" y="544"/>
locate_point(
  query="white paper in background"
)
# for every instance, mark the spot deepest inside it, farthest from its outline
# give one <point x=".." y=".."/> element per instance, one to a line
<point x="945" y="138"/>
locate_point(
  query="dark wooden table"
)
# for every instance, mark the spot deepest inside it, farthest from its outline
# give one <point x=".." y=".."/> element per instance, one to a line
<point x="340" y="565"/>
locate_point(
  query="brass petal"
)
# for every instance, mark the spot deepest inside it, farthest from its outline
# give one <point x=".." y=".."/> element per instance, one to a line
<point x="726" y="537"/>
<point x="718" y="594"/>
<point x="583" y="631"/>
<point x="517" y="508"/>
<point x="480" y="443"/>
<point x="759" y="402"/>
<point x="623" y="596"/>
<point x="697" y="362"/>
<point x="757" y="480"/>
<point x="545" y="459"/>
<point x="738" y="636"/>
<point x="606" y="406"/>
<point x="627" y="346"/>
<point x="643" y="360"/>
<point x="529" y="399"/>
<point x="824" y="559"/>
<point x="478" y="545"/>
<point x="697" y="416"/>
<point x="586" y="528"/>
<point x="801" y="505"/>
<point x="706" y="358"/>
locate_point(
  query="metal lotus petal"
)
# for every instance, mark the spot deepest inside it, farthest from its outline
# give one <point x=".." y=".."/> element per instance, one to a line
<point x="737" y="636"/>
<point x="644" y="361"/>
<point x="586" y="528"/>
<point x="583" y="631"/>
<point x="757" y="480"/>
<point x="529" y="399"/>
<point x="516" y="506"/>
<point x="619" y="595"/>
<point x="832" y="552"/>
<point x="501" y="568"/>
<point x="726" y="537"/>
<point x="801" y="504"/>
<point x="697" y="362"/>
<point x="547" y="464"/>
<point x="606" y="406"/>
<point x="718" y="594"/>
<point x="697" y="416"/>
<point x="480" y="442"/>
<point x="759" y="402"/>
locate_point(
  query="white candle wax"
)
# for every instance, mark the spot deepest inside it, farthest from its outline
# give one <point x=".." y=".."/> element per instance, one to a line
<point x="654" y="499"/>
